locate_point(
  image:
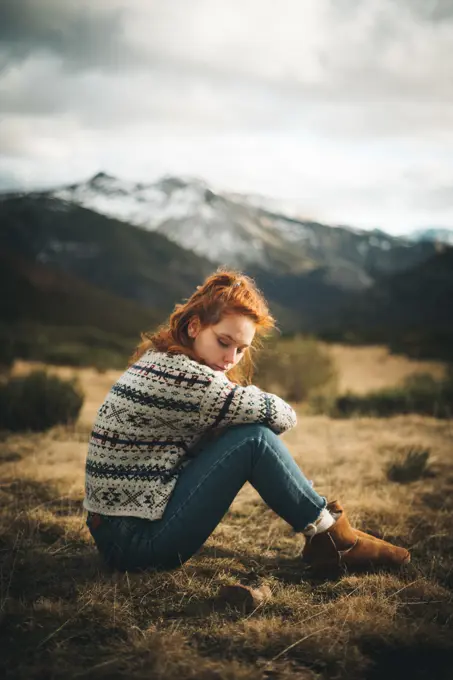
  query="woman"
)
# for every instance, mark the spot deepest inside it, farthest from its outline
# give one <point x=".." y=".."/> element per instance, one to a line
<point x="181" y="431"/>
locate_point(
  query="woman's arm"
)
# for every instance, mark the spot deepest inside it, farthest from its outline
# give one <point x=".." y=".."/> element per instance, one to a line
<point x="225" y="404"/>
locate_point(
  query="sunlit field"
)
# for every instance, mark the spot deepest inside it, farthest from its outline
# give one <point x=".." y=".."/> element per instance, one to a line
<point x="64" y="615"/>
<point x="365" y="369"/>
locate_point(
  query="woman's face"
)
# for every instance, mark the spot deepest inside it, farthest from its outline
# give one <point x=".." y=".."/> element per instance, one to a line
<point x="222" y="345"/>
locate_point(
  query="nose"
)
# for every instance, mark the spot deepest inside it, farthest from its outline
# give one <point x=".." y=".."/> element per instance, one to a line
<point x="229" y="356"/>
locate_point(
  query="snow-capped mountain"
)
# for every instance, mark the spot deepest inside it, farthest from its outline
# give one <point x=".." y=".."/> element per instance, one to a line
<point x="185" y="210"/>
<point x="227" y="228"/>
<point x="246" y="231"/>
<point x="56" y="252"/>
<point x="433" y="234"/>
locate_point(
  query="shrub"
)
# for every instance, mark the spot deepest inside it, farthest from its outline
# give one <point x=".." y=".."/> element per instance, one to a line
<point x="409" y="468"/>
<point x="420" y="393"/>
<point x="38" y="401"/>
<point x="323" y="401"/>
<point x="6" y="359"/>
<point x="7" y="353"/>
<point x="295" y="368"/>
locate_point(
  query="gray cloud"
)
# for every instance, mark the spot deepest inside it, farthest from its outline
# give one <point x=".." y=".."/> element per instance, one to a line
<point x="337" y="52"/>
<point x="431" y="10"/>
<point x="436" y="11"/>
<point x="75" y="32"/>
<point x="358" y="88"/>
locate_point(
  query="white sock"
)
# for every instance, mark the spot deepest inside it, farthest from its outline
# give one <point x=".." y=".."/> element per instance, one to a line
<point x="324" y="522"/>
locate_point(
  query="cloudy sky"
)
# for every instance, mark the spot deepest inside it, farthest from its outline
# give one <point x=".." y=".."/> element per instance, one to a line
<point x="343" y="107"/>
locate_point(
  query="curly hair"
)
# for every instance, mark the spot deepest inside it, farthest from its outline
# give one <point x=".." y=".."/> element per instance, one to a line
<point x="223" y="292"/>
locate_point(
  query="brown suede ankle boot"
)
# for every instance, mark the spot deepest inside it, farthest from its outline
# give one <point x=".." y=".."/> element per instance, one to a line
<point x="342" y="547"/>
<point x="335" y="507"/>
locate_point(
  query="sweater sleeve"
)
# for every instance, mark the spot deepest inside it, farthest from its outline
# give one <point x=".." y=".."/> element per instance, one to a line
<point x="225" y="404"/>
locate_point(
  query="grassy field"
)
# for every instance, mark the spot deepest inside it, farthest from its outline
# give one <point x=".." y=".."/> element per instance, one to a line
<point x="63" y="615"/>
<point x="366" y="369"/>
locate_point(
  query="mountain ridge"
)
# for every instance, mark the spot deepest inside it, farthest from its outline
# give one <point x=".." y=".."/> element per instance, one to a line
<point x="226" y="229"/>
<point x="434" y="234"/>
<point x="410" y="311"/>
<point x="330" y="285"/>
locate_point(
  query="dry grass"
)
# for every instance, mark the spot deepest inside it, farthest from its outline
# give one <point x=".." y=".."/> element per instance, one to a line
<point x="366" y="369"/>
<point x="360" y="370"/>
<point x="62" y="615"/>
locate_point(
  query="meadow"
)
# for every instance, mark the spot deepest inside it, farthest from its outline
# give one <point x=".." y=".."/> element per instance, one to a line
<point x="64" y="615"/>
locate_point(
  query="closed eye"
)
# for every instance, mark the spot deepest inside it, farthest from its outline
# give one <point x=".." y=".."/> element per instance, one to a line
<point x="225" y="344"/>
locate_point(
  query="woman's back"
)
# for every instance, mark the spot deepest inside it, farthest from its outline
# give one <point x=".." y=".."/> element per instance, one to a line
<point x="151" y="421"/>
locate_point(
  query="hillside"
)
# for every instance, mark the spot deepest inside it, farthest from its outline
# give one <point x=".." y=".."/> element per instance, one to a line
<point x="408" y="309"/>
<point x="49" y="296"/>
<point x="109" y="254"/>
<point x="55" y="316"/>
<point x="145" y="266"/>
<point x="411" y="310"/>
<point x="437" y="234"/>
<point x="236" y="230"/>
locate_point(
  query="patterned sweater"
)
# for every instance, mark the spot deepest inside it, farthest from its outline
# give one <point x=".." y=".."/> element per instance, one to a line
<point x="151" y="422"/>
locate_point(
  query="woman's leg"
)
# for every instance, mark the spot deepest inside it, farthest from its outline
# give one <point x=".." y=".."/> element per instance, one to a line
<point x="208" y="485"/>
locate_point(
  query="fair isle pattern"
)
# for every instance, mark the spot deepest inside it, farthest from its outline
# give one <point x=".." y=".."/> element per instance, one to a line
<point x="150" y="423"/>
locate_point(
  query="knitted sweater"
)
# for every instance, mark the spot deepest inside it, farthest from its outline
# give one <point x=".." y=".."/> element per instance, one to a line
<point x="151" y="422"/>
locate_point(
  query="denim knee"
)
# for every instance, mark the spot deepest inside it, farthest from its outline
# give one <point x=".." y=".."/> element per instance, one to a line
<point x="255" y="432"/>
<point x="261" y="431"/>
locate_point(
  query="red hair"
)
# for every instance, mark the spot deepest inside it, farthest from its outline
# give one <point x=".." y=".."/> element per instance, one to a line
<point x="224" y="292"/>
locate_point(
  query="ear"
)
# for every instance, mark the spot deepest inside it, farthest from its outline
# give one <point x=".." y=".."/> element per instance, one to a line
<point x="194" y="327"/>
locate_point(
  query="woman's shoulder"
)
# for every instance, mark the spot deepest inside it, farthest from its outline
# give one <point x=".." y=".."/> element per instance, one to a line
<point x="179" y="362"/>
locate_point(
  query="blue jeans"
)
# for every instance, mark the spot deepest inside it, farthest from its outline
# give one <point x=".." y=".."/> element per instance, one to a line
<point x="203" y="493"/>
